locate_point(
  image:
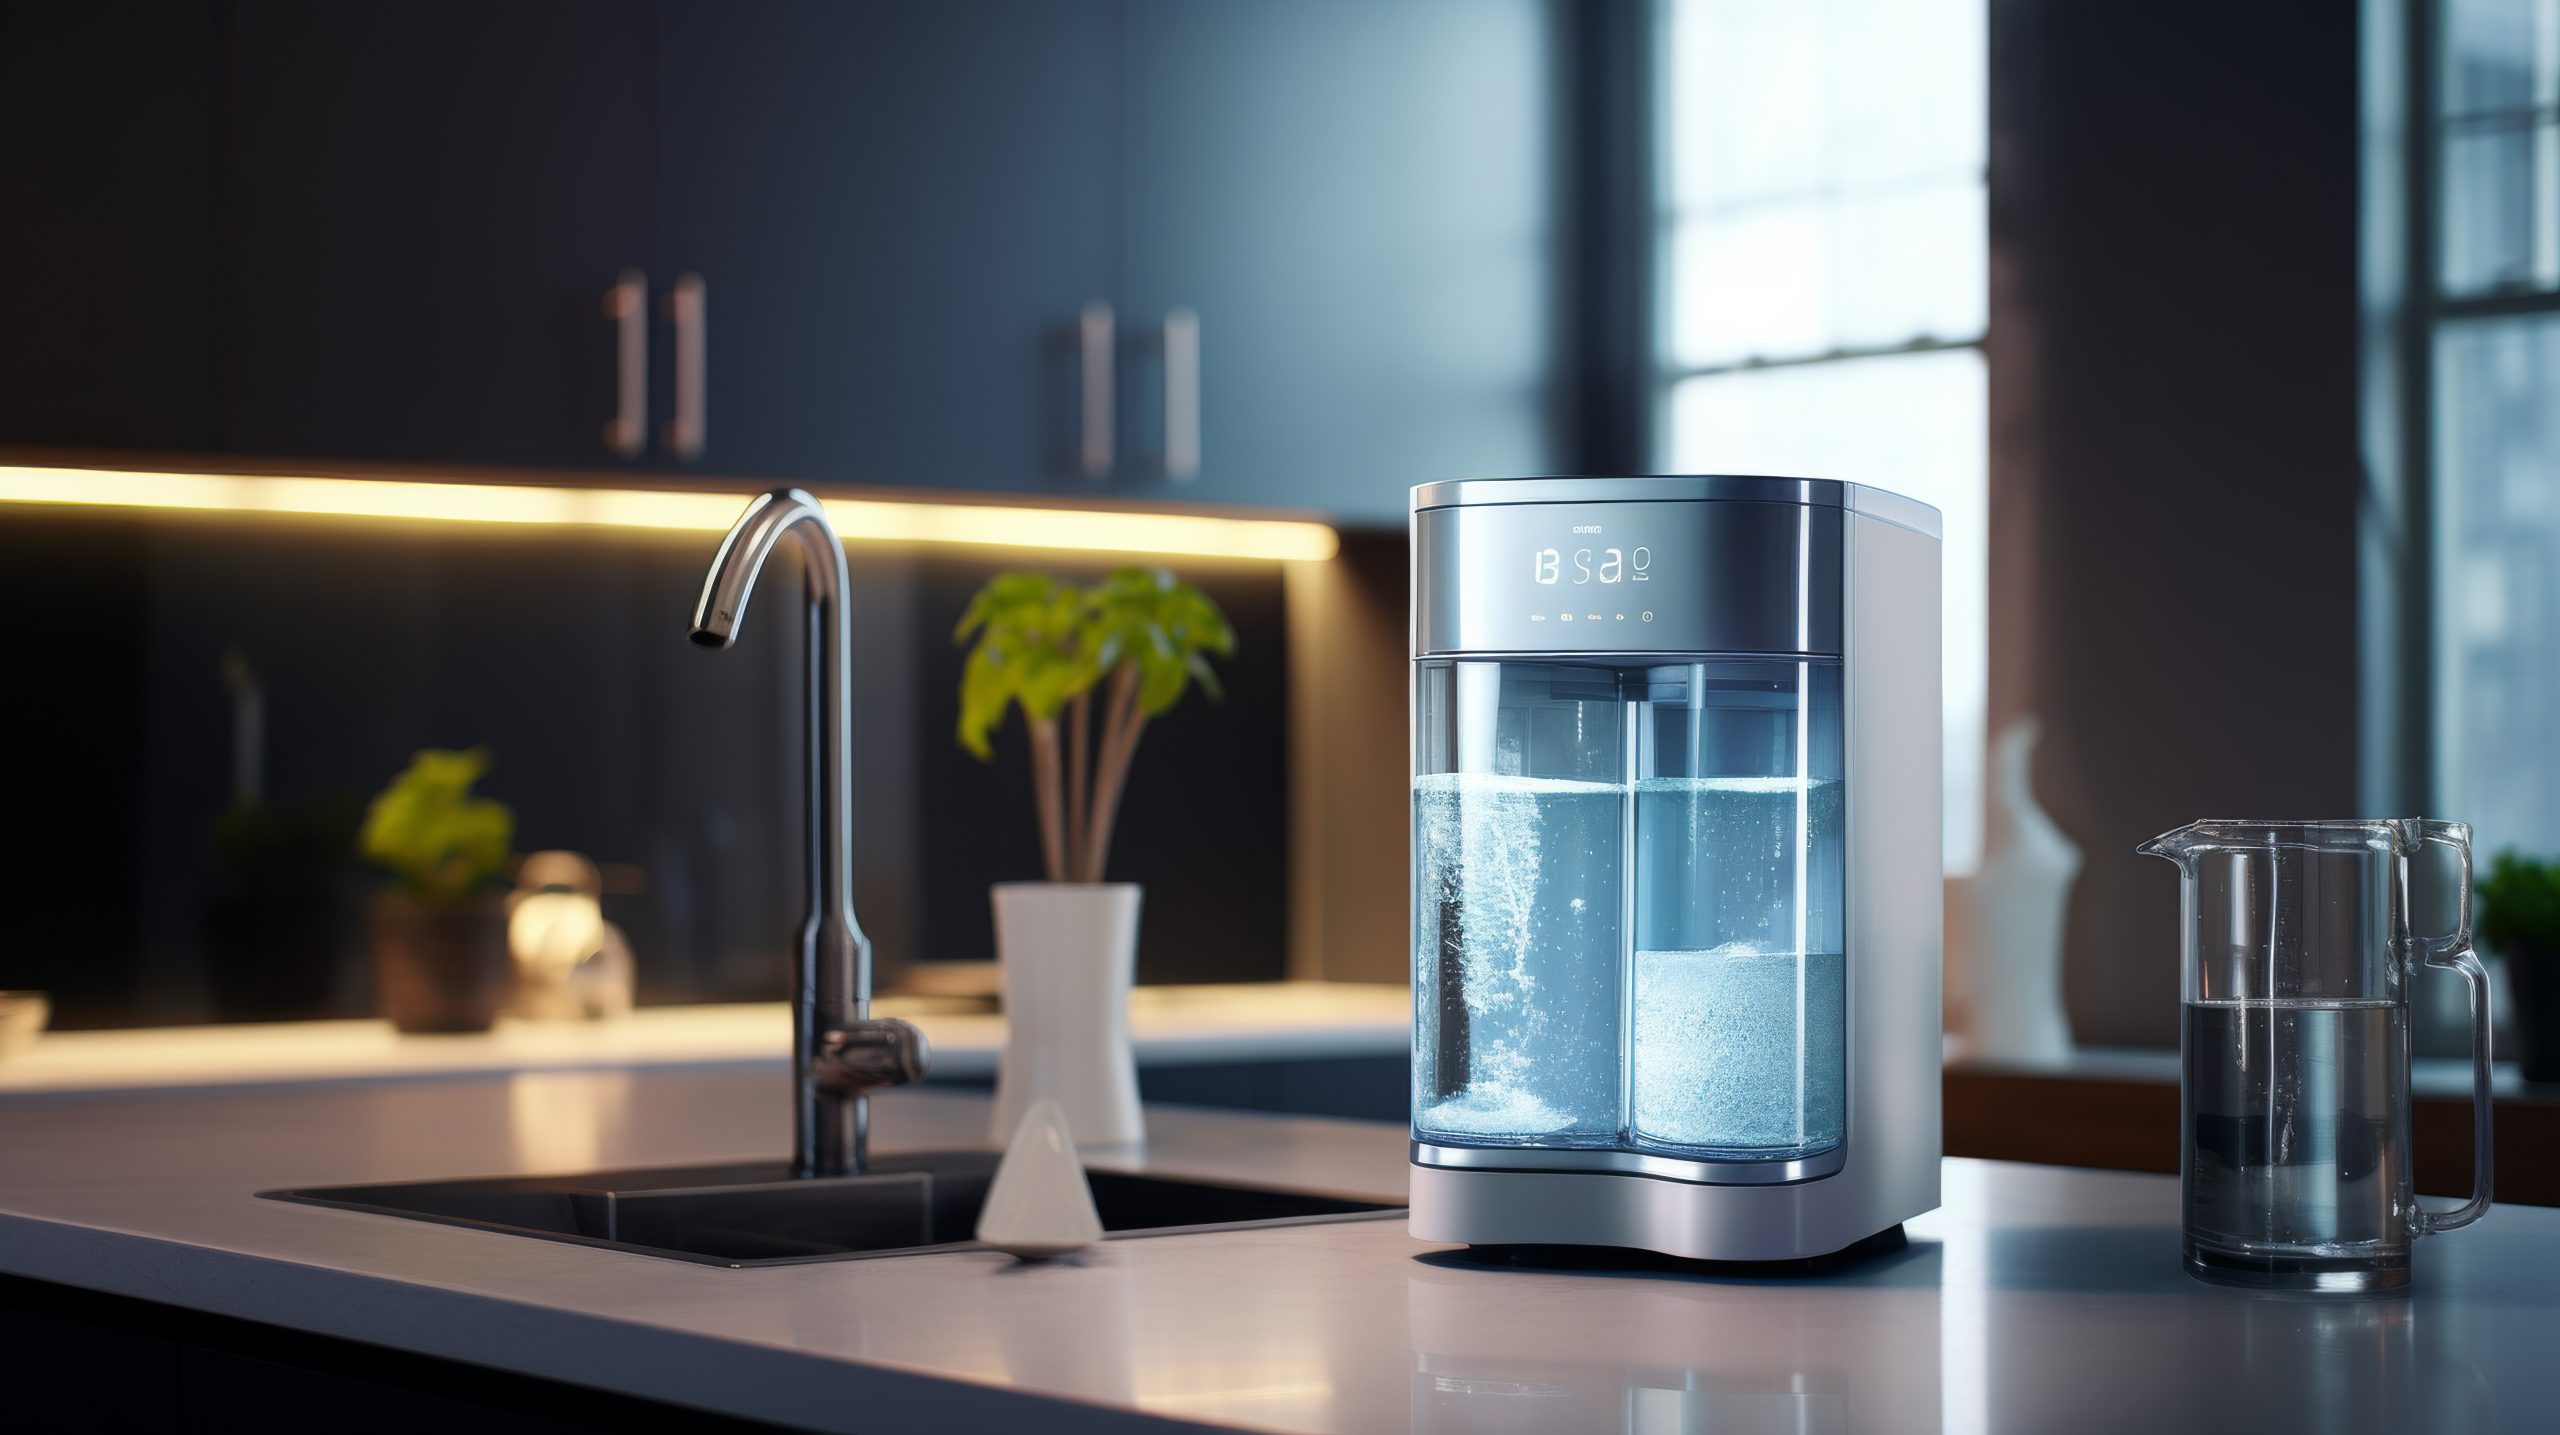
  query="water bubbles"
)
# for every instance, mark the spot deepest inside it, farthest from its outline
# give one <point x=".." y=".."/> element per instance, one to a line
<point x="1516" y="908"/>
<point x="1739" y="1049"/>
<point x="1738" y="1045"/>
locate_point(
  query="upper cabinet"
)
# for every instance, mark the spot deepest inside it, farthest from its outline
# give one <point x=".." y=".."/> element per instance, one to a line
<point x="1281" y="252"/>
<point x="1349" y="205"/>
<point x="108" y="149"/>
<point x="896" y="213"/>
<point x="425" y="204"/>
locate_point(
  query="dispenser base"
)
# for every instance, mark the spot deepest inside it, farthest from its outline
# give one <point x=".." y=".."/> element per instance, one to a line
<point x="1533" y="1210"/>
<point x="1622" y="1258"/>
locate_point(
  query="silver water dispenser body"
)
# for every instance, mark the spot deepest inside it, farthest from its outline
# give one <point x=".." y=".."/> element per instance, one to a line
<point x="1676" y="881"/>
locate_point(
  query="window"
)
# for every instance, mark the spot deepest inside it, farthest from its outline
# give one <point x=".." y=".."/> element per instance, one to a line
<point x="1823" y="279"/>
<point x="2490" y="331"/>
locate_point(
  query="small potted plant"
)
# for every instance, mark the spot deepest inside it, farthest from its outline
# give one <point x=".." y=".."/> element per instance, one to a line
<point x="440" y="933"/>
<point x="1088" y="667"/>
<point x="2519" y="919"/>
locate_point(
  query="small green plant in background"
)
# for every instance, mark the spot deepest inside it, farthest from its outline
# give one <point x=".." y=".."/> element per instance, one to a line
<point x="1141" y="637"/>
<point x="2520" y="906"/>
<point x="427" y="828"/>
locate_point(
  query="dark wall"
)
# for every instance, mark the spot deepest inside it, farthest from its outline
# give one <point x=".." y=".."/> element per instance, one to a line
<point x="2174" y="472"/>
<point x="564" y="654"/>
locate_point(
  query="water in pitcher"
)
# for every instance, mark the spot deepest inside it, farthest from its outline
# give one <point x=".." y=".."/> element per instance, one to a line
<point x="1517" y="912"/>
<point x="2291" y="1147"/>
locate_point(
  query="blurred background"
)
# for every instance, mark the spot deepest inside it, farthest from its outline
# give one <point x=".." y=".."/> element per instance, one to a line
<point x="2222" y="336"/>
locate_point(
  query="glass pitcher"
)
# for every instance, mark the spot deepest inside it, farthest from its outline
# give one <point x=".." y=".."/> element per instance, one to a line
<point x="2299" y="941"/>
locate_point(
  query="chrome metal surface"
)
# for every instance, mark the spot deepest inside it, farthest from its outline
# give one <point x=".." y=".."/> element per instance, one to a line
<point x="872" y="1054"/>
<point x="688" y="309"/>
<point x="1883" y="597"/>
<point x="1880" y="503"/>
<point x="1894" y="766"/>
<point x="1097" y="352"/>
<point x="1658" y="1165"/>
<point x="1632" y="1211"/>
<point x="1182" y="395"/>
<point x="759" y="1215"/>
<point x="838" y="1051"/>
<point x="1745" y="576"/>
<point x="627" y="305"/>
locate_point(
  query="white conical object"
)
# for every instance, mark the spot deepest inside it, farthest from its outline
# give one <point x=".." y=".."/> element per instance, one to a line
<point x="2017" y="907"/>
<point x="1039" y="1205"/>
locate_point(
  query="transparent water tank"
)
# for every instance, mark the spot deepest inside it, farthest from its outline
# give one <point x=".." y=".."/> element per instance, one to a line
<point x="1628" y="895"/>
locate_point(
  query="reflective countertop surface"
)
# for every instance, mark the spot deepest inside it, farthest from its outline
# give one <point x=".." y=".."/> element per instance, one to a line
<point x="2037" y="1299"/>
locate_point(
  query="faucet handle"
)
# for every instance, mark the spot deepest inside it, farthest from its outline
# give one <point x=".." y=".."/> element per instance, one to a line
<point x="870" y="1054"/>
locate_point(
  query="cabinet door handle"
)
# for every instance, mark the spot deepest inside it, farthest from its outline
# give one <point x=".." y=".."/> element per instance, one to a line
<point x="1097" y="350"/>
<point x="688" y="311"/>
<point x="1182" y="394"/>
<point x="627" y="305"/>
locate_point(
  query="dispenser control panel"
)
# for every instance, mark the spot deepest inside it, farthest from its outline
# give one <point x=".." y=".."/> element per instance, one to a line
<point x="1609" y="566"/>
<point x="1717" y="576"/>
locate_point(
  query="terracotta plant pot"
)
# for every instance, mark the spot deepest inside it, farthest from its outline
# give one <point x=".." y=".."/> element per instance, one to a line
<point x="441" y="966"/>
<point x="2533" y="984"/>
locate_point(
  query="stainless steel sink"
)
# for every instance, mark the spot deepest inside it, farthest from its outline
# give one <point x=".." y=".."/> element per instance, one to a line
<point x="756" y="1214"/>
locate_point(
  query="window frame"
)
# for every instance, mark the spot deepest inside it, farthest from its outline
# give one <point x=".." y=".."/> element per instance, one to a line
<point x="2404" y="688"/>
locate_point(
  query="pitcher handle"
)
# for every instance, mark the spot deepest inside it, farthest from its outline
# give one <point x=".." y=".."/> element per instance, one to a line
<point x="2452" y="952"/>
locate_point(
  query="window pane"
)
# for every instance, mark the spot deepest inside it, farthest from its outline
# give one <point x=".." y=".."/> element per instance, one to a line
<point x="2489" y="52"/>
<point x="2491" y="219"/>
<point x="1916" y="424"/>
<point x="1774" y="97"/>
<point x="2498" y="580"/>
<point x="2501" y="148"/>
<point x="1811" y="276"/>
<point x="1822" y="176"/>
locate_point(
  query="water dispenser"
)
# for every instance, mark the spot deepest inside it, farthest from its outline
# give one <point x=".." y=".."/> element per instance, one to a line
<point x="1675" y="864"/>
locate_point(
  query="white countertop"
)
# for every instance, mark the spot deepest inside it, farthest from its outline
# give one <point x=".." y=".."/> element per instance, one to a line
<point x="2036" y="1300"/>
<point x="1171" y="1025"/>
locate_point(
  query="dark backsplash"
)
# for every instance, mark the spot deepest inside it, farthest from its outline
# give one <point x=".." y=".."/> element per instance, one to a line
<point x="563" y="654"/>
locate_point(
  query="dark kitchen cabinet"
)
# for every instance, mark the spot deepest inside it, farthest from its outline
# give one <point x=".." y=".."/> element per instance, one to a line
<point x="1356" y="200"/>
<point x="107" y="254"/>
<point x="901" y="210"/>
<point x="1323" y="232"/>
<point x="898" y="211"/>
<point x="423" y="205"/>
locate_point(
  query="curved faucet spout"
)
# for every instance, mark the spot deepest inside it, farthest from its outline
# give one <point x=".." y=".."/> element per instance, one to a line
<point x="831" y="1000"/>
<point x="723" y="604"/>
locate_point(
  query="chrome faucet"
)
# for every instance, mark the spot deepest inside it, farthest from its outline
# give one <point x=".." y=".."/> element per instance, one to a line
<point x="839" y="1053"/>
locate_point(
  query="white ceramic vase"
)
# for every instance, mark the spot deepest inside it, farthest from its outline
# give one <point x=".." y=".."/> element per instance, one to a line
<point x="2018" y="905"/>
<point x="1067" y="952"/>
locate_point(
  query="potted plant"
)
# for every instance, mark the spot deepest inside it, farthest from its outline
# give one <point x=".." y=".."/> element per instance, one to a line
<point x="440" y="934"/>
<point x="2519" y="918"/>
<point x="1088" y="667"/>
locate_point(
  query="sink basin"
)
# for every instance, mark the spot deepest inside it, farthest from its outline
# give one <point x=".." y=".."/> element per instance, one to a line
<point x="756" y="1215"/>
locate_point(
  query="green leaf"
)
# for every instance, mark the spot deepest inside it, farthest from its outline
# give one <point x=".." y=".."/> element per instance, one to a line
<point x="1205" y="676"/>
<point x="1038" y="643"/>
<point x="426" y="827"/>
<point x="2519" y="914"/>
<point x="983" y="698"/>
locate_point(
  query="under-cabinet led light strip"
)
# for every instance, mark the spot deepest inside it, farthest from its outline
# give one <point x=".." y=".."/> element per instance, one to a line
<point x="860" y="520"/>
